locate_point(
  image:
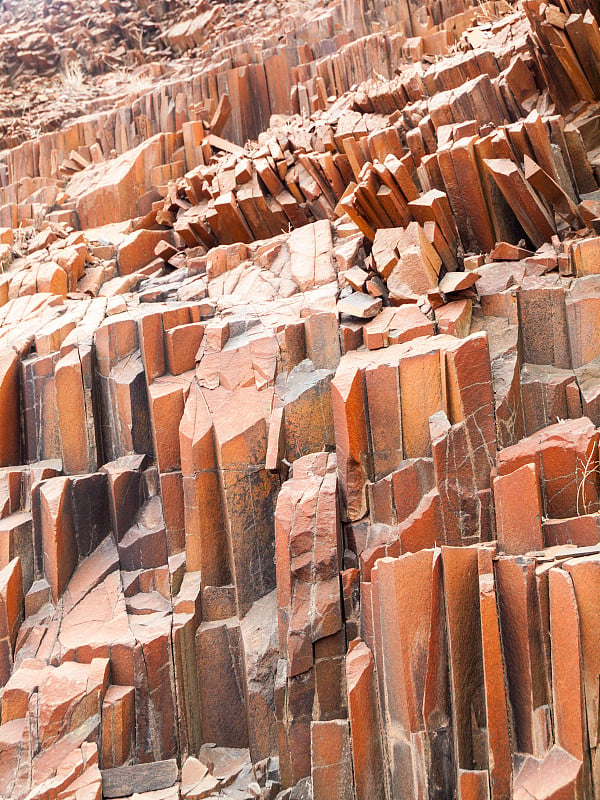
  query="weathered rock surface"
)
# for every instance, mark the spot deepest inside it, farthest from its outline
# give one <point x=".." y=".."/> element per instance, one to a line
<point x="299" y="400"/>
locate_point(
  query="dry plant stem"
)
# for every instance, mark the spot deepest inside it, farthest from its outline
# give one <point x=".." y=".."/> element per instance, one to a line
<point x="72" y="77"/>
<point x="588" y="471"/>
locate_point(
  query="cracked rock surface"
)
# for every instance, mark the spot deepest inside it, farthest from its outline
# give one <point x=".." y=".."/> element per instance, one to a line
<point x="299" y="400"/>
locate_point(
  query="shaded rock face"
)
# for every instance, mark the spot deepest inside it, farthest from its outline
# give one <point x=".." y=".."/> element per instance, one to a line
<point x="299" y="401"/>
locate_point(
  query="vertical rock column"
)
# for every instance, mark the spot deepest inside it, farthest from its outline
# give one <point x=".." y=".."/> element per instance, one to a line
<point x="205" y="538"/>
<point x="123" y="393"/>
<point x="311" y="638"/>
<point x="10" y="425"/>
<point x="248" y="493"/>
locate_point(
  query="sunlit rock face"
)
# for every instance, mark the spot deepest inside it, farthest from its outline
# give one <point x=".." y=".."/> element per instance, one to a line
<point x="299" y="400"/>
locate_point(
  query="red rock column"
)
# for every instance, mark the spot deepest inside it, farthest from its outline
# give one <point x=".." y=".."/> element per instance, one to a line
<point x="567" y="676"/>
<point x="518" y="501"/>
<point x="205" y="538"/>
<point x="585" y="573"/>
<point x="351" y="437"/>
<point x="10" y="418"/>
<point x="76" y="418"/>
<point x="125" y="416"/>
<point x="465" y="657"/>
<point x="496" y="704"/>
<point x="410" y="651"/>
<point x="42" y="433"/>
<point x="311" y="639"/>
<point x="59" y="548"/>
<point x="11" y="614"/>
<point x="248" y="493"/>
<point x="367" y="750"/>
<point x="331" y="761"/>
<point x="118" y="725"/>
<point x="521" y="627"/>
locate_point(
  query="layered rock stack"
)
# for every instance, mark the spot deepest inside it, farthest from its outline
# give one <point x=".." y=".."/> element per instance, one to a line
<point x="300" y="401"/>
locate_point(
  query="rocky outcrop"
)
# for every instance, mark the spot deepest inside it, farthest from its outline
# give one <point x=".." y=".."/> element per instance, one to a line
<point x="299" y="402"/>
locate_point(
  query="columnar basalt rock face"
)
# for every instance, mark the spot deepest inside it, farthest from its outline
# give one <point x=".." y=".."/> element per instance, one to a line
<point x="299" y="401"/>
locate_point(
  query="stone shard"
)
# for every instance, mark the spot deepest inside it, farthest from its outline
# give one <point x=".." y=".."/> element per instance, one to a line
<point x="121" y="781"/>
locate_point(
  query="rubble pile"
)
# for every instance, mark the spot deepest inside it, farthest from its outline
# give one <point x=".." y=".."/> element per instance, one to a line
<point x="300" y="401"/>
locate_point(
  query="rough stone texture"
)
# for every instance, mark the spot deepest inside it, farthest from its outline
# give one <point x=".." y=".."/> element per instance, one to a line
<point x="299" y="396"/>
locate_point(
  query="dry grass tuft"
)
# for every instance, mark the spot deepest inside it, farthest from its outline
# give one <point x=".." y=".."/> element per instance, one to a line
<point x="72" y="77"/>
